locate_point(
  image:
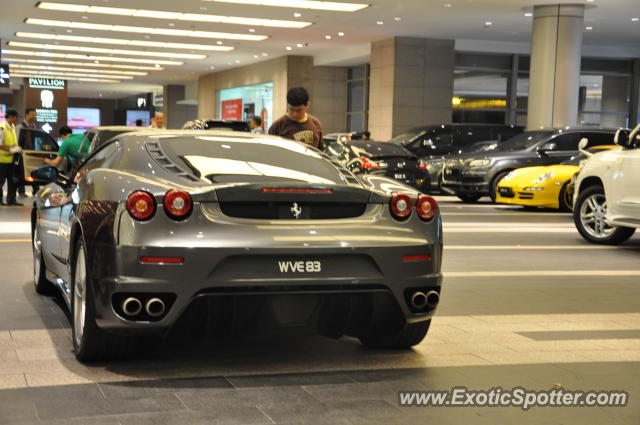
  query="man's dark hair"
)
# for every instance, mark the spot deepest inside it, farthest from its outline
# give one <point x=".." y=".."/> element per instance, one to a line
<point x="11" y="113"/>
<point x="257" y="120"/>
<point x="64" y="130"/>
<point x="297" y="96"/>
<point x="28" y="110"/>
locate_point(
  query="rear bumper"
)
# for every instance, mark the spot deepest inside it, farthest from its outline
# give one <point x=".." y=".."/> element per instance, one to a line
<point x="546" y="198"/>
<point x="212" y="272"/>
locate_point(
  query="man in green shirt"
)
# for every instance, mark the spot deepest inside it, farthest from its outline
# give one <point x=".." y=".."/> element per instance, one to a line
<point x="72" y="148"/>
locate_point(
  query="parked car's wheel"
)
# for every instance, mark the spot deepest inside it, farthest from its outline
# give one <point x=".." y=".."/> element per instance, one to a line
<point x="41" y="284"/>
<point x="565" y="199"/>
<point x="493" y="186"/>
<point x="589" y="214"/>
<point x="90" y="342"/>
<point x="406" y="337"/>
<point x="469" y="197"/>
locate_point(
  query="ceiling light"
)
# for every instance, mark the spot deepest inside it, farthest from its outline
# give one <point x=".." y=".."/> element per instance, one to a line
<point x="252" y="30"/>
<point x="256" y="56"/>
<point x="157" y="62"/>
<point x="380" y="23"/>
<point x="68" y="71"/>
<point x="105" y="51"/>
<point x="63" y="68"/>
<point x="212" y="67"/>
<point x="397" y="19"/>
<point x="218" y="42"/>
<point x="528" y="14"/>
<point x="123" y="42"/>
<point x="297" y="15"/>
<point x="94" y="64"/>
<point x="73" y="74"/>
<point x="635" y="19"/>
<point x="328" y="37"/>
<point x="589" y="28"/>
<point x="341" y="34"/>
<point x="89" y="80"/>
<point x="488" y="23"/>
<point x="303" y="4"/>
<point x="447" y="5"/>
<point x="300" y="45"/>
<point x="265" y="54"/>
<point x="176" y="16"/>
<point x="289" y="48"/>
<point x="146" y="30"/>
<point x="237" y="61"/>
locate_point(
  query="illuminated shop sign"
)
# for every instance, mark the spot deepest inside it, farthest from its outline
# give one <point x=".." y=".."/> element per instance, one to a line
<point x="4" y="75"/>
<point x="46" y="83"/>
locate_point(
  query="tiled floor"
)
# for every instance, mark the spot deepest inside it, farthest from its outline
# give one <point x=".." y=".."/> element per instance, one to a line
<point x="535" y="330"/>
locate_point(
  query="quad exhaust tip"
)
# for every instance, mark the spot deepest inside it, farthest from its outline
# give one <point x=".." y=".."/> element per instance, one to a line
<point x="420" y="300"/>
<point x="131" y="306"/>
<point x="155" y="307"/>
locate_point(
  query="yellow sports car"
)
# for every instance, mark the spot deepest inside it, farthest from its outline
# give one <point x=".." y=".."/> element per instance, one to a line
<point x="546" y="186"/>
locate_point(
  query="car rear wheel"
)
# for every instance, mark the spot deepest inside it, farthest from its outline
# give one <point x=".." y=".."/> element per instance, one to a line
<point x="467" y="197"/>
<point x="589" y="216"/>
<point x="41" y="284"/>
<point x="90" y="343"/>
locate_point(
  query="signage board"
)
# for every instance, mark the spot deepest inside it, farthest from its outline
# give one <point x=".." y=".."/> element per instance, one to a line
<point x="232" y="109"/>
<point x="48" y="96"/>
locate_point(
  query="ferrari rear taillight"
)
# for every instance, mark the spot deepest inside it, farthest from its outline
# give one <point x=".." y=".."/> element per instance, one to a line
<point x="367" y="164"/>
<point x="401" y="206"/>
<point x="426" y="207"/>
<point x="422" y="165"/>
<point x="141" y="205"/>
<point x="177" y="204"/>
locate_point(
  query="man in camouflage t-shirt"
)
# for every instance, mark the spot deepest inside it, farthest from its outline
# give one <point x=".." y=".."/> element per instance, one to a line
<point x="297" y="124"/>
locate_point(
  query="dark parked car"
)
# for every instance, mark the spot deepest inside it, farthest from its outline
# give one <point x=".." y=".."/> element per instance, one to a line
<point x="445" y="139"/>
<point x="165" y="225"/>
<point x="471" y="176"/>
<point x="380" y="158"/>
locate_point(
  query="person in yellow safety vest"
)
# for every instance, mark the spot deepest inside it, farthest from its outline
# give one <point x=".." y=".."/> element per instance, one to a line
<point x="8" y="148"/>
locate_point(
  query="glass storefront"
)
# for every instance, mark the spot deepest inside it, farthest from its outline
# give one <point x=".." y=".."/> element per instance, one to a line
<point x="243" y="103"/>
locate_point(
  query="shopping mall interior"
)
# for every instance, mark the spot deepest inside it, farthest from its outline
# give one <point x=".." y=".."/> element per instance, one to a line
<point x="319" y="212"/>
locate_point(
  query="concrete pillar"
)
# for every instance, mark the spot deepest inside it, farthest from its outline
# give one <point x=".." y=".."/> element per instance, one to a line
<point x="634" y="117"/>
<point x="615" y="98"/>
<point x="176" y="114"/>
<point x="411" y="84"/>
<point x="555" y="66"/>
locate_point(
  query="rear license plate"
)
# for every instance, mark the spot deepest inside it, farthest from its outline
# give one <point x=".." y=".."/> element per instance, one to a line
<point x="299" y="266"/>
<point x="400" y="176"/>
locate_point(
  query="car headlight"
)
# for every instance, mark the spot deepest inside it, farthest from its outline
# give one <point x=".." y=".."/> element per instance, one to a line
<point x="542" y="178"/>
<point x="479" y="163"/>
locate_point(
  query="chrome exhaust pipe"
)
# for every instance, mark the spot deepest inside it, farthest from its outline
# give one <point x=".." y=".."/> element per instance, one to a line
<point x="433" y="298"/>
<point x="418" y="300"/>
<point x="131" y="306"/>
<point x="155" y="307"/>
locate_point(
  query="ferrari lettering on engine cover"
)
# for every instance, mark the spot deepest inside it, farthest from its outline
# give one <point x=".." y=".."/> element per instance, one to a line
<point x="300" y="266"/>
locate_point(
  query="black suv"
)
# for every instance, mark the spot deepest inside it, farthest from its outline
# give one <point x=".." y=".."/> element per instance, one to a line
<point x="445" y="139"/>
<point x="471" y="176"/>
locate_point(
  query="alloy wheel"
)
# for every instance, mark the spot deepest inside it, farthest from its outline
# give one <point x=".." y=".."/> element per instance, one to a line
<point x="79" y="298"/>
<point x="592" y="215"/>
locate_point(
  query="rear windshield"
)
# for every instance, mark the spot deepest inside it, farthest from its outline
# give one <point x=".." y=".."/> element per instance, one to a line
<point x="251" y="160"/>
<point x="524" y="140"/>
<point x="378" y="149"/>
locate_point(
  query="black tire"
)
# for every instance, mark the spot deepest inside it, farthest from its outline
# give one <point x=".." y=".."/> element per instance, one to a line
<point x="469" y="197"/>
<point x="493" y="187"/>
<point x="94" y="344"/>
<point x="40" y="282"/>
<point x="614" y="237"/>
<point x="406" y="337"/>
<point x="565" y="199"/>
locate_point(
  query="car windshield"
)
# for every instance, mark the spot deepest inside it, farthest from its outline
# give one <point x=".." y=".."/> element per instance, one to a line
<point x="406" y="138"/>
<point x="524" y="140"/>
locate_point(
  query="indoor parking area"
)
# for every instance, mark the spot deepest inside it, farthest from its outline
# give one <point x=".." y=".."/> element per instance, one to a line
<point x="319" y="212"/>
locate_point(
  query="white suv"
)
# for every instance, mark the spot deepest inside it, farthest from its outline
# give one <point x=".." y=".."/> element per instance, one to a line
<point x="607" y="195"/>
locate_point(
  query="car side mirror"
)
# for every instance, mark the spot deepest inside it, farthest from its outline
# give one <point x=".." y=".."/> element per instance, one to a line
<point x="548" y="147"/>
<point x="622" y="138"/>
<point x="48" y="175"/>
